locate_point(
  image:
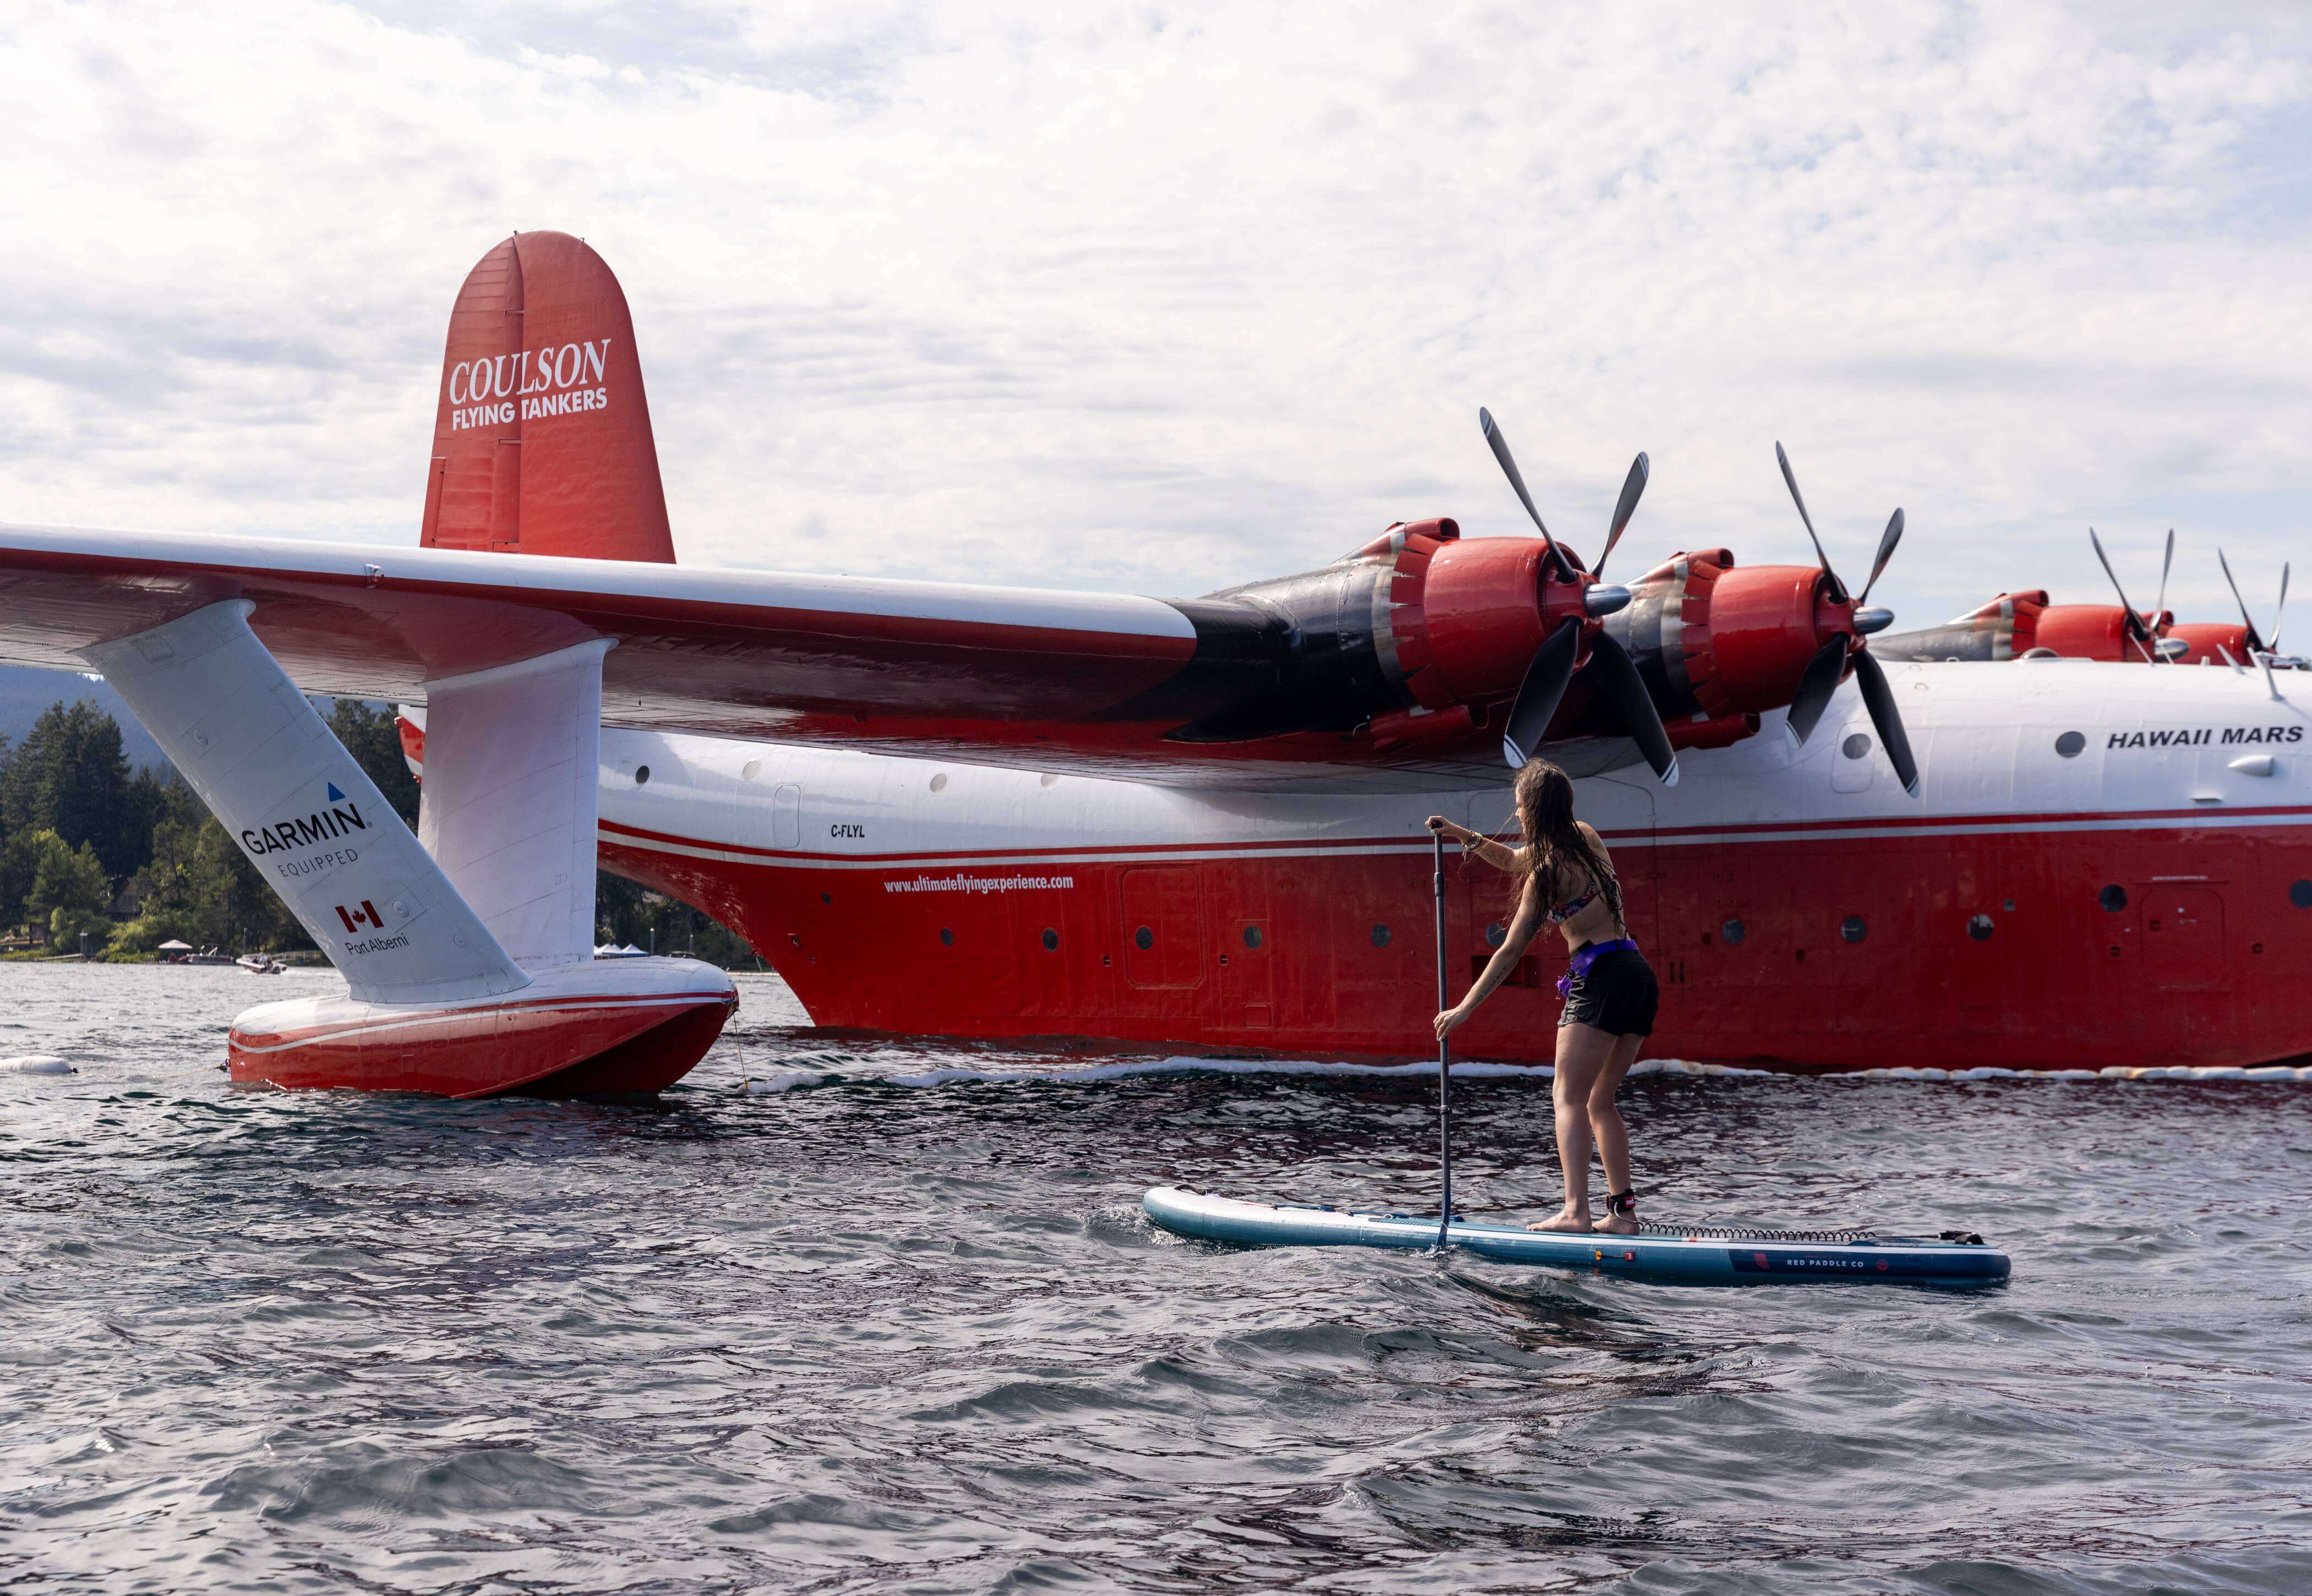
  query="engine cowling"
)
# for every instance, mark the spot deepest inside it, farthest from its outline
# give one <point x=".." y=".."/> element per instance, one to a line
<point x="1718" y="644"/>
<point x="1417" y="622"/>
<point x="2096" y="632"/>
<point x="2006" y="628"/>
<point x="2213" y="642"/>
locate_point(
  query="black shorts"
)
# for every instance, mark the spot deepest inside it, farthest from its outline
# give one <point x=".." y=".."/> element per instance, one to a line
<point x="1620" y="994"/>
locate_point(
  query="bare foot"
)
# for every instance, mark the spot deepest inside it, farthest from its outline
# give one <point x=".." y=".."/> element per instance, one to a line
<point x="1619" y="1224"/>
<point x="1563" y="1219"/>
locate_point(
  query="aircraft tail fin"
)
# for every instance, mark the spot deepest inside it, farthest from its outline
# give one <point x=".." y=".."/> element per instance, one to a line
<point x="542" y="440"/>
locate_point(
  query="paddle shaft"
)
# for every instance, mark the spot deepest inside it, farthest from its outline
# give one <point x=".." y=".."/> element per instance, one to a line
<point x="1444" y="1049"/>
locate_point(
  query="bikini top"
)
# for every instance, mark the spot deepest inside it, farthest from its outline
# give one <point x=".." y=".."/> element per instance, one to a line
<point x="1573" y="906"/>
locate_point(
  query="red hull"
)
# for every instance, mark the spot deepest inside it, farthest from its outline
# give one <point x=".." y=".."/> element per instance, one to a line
<point x="1978" y="944"/>
<point x="553" y="1047"/>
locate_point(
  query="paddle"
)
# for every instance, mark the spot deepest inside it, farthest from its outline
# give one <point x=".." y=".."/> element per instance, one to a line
<point x="1444" y="1047"/>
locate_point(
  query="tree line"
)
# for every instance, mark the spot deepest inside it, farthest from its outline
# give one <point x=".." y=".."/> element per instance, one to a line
<point x="132" y="859"/>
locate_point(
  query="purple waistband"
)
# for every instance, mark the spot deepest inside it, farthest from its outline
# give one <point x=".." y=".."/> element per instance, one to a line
<point x="1588" y="956"/>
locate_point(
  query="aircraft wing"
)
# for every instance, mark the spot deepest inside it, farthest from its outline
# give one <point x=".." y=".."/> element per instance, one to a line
<point x="1094" y="683"/>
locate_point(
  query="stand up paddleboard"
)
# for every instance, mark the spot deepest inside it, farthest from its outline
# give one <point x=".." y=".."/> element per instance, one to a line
<point x="1701" y="1257"/>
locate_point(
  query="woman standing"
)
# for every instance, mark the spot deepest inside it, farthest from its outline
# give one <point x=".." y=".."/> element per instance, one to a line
<point x="1563" y="875"/>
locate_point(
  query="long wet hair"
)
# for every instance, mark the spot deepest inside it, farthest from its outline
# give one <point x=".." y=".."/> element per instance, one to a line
<point x="1556" y="852"/>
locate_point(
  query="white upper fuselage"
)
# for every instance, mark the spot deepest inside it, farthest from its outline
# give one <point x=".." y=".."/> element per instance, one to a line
<point x="1990" y="739"/>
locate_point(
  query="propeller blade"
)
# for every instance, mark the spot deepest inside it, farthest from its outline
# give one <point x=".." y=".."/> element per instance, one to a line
<point x="1815" y="685"/>
<point x="2159" y="605"/>
<point x="1799" y="498"/>
<point x="1538" y="695"/>
<point x="1501" y="447"/>
<point x="2132" y="622"/>
<point x="1633" y="487"/>
<point x="1880" y="699"/>
<point x="2248" y="621"/>
<point x="1887" y="542"/>
<point x="1623" y="693"/>
<point x="2282" y="605"/>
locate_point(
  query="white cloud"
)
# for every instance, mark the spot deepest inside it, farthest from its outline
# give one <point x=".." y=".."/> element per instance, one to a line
<point x="1163" y="298"/>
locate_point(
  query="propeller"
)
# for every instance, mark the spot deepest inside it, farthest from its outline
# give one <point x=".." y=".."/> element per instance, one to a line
<point x="1567" y="567"/>
<point x="2256" y="638"/>
<point x="2133" y="625"/>
<point x="1633" y="485"/>
<point x="1613" y="675"/>
<point x="1828" y="667"/>
<point x="1545" y="681"/>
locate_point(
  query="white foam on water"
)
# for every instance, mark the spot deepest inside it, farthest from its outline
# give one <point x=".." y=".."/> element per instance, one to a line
<point x="1478" y="1069"/>
<point x="36" y="1064"/>
<point x="760" y="1085"/>
<point x="2137" y="1073"/>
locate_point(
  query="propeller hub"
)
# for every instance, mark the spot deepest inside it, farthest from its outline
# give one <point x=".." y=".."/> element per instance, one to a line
<point x="1604" y="599"/>
<point x="1873" y="617"/>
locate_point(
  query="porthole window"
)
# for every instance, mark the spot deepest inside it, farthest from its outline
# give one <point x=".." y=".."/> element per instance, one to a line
<point x="750" y="769"/>
<point x="1143" y="938"/>
<point x="1051" y="941"/>
<point x="947" y="938"/>
<point x="1496" y="933"/>
<point x="1980" y="927"/>
<point x="1853" y="928"/>
<point x="1380" y="936"/>
<point x="2114" y="898"/>
<point x="1049" y="779"/>
<point x="2300" y="895"/>
<point x="826" y="897"/>
<point x="642" y="774"/>
<point x="1733" y="931"/>
<point x="1252" y="936"/>
<point x="2069" y="744"/>
<point x="939" y="782"/>
<point x="1855" y="746"/>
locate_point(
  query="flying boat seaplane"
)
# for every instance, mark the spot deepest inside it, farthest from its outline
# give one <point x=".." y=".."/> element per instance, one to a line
<point x="1002" y="812"/>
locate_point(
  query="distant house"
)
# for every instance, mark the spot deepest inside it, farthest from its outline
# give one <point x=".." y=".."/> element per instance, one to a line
<point x="128" y="903"/>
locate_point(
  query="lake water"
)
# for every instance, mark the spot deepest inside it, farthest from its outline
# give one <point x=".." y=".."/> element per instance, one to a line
<point x="904" y="1330"/>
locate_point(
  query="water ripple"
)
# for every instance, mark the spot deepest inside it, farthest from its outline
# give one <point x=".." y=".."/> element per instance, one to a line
<point x="901" y="1326"/>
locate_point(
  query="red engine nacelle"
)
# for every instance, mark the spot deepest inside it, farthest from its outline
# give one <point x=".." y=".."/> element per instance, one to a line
<point x="2213" y="642"/>
<point x="1718" y="644"/>
<point x="2096" y="632"/>
<point x="2015" y="625"/>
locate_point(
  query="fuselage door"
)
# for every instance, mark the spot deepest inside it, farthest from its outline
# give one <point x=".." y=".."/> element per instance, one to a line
<point x="2184" y="945"/>
<point x="1163" y="926"/>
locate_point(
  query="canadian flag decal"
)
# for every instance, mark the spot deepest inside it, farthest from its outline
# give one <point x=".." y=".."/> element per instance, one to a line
<point x="366" y="915"/>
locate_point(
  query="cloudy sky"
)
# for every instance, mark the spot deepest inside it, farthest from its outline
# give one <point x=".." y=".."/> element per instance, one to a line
<point x="1165" y="297"/>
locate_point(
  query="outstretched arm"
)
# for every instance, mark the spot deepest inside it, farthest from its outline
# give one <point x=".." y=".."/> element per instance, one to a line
<point x="1505" y="959"/>
<point x="1499" y="855"/>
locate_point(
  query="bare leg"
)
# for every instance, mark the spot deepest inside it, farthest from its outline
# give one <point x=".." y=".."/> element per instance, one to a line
<point x="1583" y="1053"/>
<point x="1613" y="1136"/>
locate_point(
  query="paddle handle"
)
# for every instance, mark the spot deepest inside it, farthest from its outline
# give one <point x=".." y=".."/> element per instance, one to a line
<point x="1444" y="1048"/>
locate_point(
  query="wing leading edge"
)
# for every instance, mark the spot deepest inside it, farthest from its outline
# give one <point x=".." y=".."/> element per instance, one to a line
<point x="1251" y="689"/>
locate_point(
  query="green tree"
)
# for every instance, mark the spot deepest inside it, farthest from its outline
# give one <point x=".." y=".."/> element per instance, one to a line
<point x="373" y="738"/>
<point x="69" y="776"/>
<point x="68" y="890"/>
<point x="628" y="912"/>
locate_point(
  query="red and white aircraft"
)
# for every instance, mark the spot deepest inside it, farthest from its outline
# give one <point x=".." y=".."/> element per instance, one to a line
<point x="1007" y="812"/>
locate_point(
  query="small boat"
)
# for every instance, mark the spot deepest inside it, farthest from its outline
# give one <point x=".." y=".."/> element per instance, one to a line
<point x="260" y="964"/>
<point x="209" y="956"/>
